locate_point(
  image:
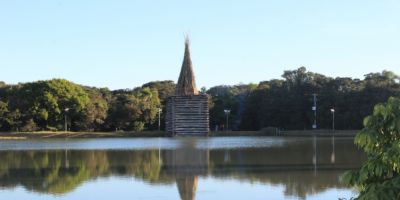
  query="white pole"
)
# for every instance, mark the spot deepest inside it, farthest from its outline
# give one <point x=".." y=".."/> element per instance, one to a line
<point x="333" y="119"/>
<point x="227" y="121"/>
<point x="65" y="125"/>
<point x="227" y="112"/>
<point x="159" y="119"/>
<point x="315" y="111"/>
<point x="66" y="122"/>
<point x="333" y="125"/>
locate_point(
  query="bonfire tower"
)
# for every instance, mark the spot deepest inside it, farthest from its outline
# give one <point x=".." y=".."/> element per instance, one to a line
<point x="187" y="110"/>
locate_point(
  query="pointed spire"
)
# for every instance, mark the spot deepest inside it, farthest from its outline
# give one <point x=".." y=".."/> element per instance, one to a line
<point x="187" y="187"/>
<point x="186" y="83"/>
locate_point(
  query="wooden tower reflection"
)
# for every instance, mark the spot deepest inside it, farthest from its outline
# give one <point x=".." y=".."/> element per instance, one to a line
<point x="186" y="164"/>
<point x="187" y="187"/>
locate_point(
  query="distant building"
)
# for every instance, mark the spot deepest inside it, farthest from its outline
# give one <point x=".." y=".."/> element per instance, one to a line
<point x="187" y="110"/>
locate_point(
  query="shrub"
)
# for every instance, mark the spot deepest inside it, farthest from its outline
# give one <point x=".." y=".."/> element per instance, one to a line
<point x="29" y="126"/>
<point x="138" y="126"/>
<point x="269" y="131"/>
<point x="379" y="177"/>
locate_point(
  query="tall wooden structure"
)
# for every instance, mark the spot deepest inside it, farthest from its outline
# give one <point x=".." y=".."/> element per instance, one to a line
<point x="187" y="110"/>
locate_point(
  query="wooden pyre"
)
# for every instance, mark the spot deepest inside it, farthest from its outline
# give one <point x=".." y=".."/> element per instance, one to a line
<point x="187" y="110"/>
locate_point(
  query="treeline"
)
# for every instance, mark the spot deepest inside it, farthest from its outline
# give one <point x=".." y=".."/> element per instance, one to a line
<point x="287" y="103"/>
<point x="48" y="105"/>
<point x="283" y="103"/>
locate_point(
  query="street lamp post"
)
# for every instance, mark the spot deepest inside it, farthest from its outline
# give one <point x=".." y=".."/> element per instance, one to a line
<point x="227" y="112"/>
<point x="314" y="109"/>
<point x="159" y="119"/>
<point x="333" y="119"/>
<point x="65" y="118"/>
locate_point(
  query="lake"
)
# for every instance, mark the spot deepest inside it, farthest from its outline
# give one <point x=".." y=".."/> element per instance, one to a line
<point x="178" y="168"/>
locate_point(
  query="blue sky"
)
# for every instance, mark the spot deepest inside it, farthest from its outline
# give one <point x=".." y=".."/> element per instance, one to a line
<point x="124" y="44"/>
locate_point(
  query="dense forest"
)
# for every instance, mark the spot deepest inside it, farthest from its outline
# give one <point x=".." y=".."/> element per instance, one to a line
<point x="283" y="103"/>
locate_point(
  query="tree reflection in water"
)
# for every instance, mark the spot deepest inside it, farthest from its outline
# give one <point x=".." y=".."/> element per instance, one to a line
<point x="292" y="165"/>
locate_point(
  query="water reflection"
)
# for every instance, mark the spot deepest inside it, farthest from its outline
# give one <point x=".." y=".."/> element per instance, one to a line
<point x="333" y="155"/>
<point x="186" y="164"/>
<point x="303" y="166"/>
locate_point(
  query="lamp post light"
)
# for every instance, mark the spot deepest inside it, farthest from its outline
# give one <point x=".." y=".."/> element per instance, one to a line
<point x="227" y="112"/>
<point x="65" y="118"/>
<point x="333" y="119"/>
<point x="159" y="119"/>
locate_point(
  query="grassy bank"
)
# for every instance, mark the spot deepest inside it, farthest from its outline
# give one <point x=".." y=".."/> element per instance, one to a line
<point x="45" y="134"/>
<point x="236" y="133"/>
<point x="298" y="133"/>
<point x="294" y="133"/>
<point x="320" y="133"/>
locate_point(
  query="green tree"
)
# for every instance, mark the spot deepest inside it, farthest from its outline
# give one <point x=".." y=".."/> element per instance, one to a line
<point x="14" y="120"/>
<point x="232" y="98"/>
<point x="3" y="113"/>
<point x="29" y="126"/>
<point x="149" y="102"/>
<point x="45" y="101"/>
<point x="286" y="103"/>
<point x="128" y="107"/>
<point x="2" y="84"/>
<point x="165" y="89"/>
<point x="379" y="177"/>
<point x="93" y="116"/>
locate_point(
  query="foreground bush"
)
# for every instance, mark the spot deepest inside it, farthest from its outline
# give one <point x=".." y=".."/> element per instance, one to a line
<point x="379" y="177"/>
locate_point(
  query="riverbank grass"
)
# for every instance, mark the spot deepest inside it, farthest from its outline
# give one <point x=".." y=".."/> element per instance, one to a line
<point x="48" y="134"/>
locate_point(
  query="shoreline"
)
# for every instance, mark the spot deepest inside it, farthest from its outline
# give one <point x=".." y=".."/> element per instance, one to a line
<point x="149" y="134"/>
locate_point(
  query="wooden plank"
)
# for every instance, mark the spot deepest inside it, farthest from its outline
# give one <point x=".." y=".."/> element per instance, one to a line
<point x="187" y="115"/>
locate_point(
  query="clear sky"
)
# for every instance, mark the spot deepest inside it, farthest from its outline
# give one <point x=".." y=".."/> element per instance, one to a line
<point x="123" y="44"/>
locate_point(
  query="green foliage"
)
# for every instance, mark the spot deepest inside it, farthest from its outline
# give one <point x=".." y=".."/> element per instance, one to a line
<point x="140" y="105"/>
<point x="138" y="126"/>
<point x="165" y="89"/>
<point x="284" y="103"/>
<point x="379" y="177"/>
<point x="3" y="113"/>
<point x="287" y="103"/>
<point x="44" y="102"/>
<point x="12" y="120"/>
<point x="94" y="115"/>
<point x="29" y="126"/>
<point x="148" y="104"/>
<point x="2" y="84"/>
<point x="225" y="97"/>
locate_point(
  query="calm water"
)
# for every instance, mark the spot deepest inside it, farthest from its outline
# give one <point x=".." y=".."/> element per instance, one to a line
<point x="177" y="168"/>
